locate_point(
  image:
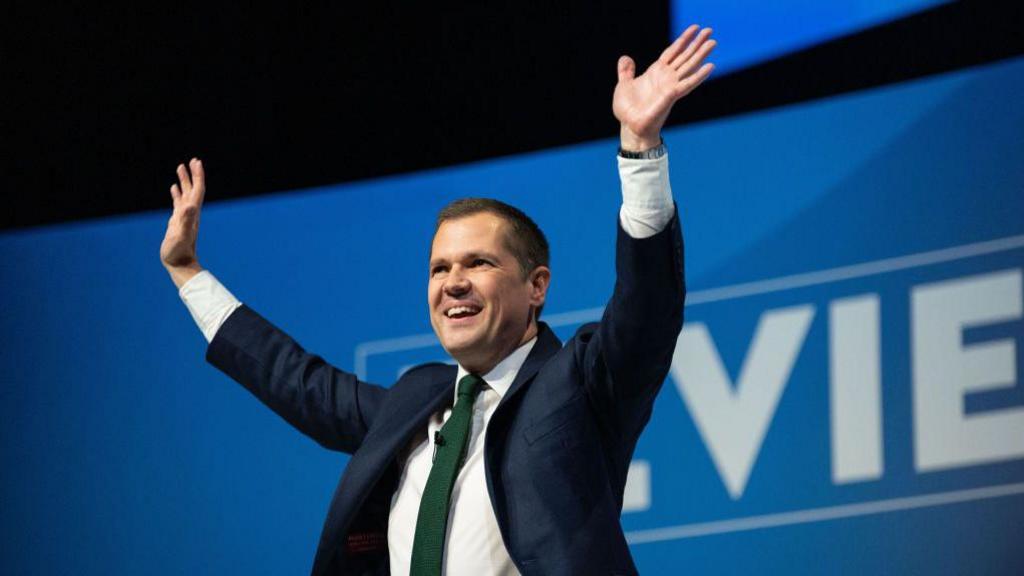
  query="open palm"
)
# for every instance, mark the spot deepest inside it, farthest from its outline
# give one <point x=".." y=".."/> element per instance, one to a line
<point x="178" y="249"/>
<point x="642" y="103"/>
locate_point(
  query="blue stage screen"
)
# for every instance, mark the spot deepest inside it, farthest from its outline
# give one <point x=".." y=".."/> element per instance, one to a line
<point x="753" y="32"/>
<point x="846" y="396"/>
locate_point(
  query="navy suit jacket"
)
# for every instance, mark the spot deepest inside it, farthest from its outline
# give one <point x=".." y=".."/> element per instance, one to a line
<point x="558" y="445"/>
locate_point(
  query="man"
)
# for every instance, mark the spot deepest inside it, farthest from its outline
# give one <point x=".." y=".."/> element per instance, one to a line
<point x="515" y="460"/>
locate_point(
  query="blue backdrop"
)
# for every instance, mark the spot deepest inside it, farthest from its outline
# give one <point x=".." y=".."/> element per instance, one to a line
<point x="845" y="397"/>
<point x="752" y="32"/>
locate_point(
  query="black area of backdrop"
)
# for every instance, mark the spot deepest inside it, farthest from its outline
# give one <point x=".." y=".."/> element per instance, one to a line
<point x="103" y="100"/>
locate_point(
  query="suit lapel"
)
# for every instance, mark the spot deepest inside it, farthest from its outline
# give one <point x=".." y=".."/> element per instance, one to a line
<point x="378" y="453"/>
<point x="546" y="347"/>
<point x="424" y="398"/>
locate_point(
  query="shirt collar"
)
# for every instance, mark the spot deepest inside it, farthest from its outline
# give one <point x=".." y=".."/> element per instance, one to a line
<point x="501" y="376"/>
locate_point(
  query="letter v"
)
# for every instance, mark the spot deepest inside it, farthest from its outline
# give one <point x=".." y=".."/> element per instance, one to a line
<point x="733" y="422"/>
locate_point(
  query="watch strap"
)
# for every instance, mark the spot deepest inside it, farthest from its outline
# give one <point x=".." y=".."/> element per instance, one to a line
<point x="649" y="154"/>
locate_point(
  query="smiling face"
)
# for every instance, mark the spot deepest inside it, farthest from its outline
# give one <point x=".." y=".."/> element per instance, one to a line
<point x="481" y="305"/>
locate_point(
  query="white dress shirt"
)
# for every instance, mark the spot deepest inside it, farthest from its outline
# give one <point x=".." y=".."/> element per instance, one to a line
<point x="473" y="536"/>
<point x="473" y="543"/>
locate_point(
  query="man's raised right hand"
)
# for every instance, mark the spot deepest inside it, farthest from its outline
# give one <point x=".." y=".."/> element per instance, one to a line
<point x="178" y="250"/>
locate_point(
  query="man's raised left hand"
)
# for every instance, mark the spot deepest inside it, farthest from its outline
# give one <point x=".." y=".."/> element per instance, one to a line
<point x="642" y="103"/>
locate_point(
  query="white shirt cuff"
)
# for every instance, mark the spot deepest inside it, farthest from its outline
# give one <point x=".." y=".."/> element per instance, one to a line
<point x="208" y="301"/>
<point x="646" y="196"/>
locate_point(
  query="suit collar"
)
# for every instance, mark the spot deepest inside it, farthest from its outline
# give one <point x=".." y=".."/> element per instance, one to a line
<point x="500" y="377"/>
<point x="438" y="391"/>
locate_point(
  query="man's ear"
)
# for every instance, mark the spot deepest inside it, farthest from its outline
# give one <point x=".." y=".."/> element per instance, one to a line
<point x="539" y="279"/>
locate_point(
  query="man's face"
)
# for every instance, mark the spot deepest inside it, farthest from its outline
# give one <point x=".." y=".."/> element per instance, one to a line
<point x="481" y="306"/>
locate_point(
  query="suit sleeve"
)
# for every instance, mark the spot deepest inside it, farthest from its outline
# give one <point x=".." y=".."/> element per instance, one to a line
<point x="626" y="358"/>
<point x="329" y="405"/>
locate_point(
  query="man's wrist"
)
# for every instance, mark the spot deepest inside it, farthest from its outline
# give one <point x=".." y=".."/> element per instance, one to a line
<point x="182" y="274"/>
<point x="632" y="142"/>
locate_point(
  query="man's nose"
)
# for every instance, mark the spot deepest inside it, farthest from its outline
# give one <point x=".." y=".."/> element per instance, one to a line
<point x="457" y="283"/>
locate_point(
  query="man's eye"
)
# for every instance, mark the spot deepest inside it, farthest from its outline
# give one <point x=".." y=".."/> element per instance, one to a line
<point x="436" y="270"/>
<point x="480" y="262"/>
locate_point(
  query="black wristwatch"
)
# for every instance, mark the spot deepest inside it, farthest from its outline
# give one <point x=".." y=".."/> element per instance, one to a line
<point x="649" y="154"/>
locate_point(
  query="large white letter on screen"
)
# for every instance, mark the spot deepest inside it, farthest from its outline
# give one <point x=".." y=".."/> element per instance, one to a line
<point x="945" y="370"/>
<point x="733" y="422"/>
<point x="855" y="390"/>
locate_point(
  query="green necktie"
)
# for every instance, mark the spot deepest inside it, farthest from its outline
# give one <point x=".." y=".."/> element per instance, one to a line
<point x="450" y="451"/>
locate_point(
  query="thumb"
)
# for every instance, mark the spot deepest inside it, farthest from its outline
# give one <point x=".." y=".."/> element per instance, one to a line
<point x="627" y="68"/>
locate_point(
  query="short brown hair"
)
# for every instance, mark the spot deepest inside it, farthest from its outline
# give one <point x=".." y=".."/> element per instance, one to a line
<point x="524" y="239"/>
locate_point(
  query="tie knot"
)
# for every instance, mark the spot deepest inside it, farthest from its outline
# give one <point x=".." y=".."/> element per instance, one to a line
<point x="469" y="385"/>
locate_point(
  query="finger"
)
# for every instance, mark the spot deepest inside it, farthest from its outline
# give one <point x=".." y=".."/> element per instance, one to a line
<point x="627" y="68"/>
<point x="198" y="179"/>
<point x="685" y="55"/>
<point x="695" y="60"/>
<point x="695" y="79"/>
<point x="676" y="47"/>
<point x="175" y="194"/>
<point x="183" y="178"/>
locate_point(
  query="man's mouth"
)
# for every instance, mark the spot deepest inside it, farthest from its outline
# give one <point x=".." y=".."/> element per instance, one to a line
<point x="456" y="312"/>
